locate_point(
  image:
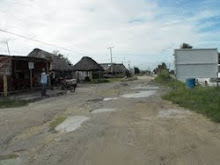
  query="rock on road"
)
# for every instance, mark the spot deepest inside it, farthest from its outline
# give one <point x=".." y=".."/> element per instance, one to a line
<point x="132" y="126"/>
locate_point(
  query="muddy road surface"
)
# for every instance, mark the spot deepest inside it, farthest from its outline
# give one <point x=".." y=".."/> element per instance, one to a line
<point x="122" y="123"/>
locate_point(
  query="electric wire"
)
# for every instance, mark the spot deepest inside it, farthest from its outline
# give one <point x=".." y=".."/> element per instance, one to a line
<point x="42" y="42"/>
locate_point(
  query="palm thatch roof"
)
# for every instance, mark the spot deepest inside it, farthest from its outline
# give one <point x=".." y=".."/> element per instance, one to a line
<point x="87" y="64"/>
<point x="57" y="62"/>
<point x="115" y="68"/>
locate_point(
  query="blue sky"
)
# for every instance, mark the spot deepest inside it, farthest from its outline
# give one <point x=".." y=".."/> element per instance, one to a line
<point x="144" y="32"/>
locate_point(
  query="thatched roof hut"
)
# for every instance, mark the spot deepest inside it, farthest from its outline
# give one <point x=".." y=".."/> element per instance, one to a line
<point x="117" y="68"/>
<point x="57" y="62"/>
<point x="87" y="64"/>
<point x="114" y="68"/>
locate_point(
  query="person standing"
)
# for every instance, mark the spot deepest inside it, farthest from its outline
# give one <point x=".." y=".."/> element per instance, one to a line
<point x="43" y="82"/>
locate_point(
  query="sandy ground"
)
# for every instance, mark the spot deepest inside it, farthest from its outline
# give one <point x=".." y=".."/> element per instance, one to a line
<point x="129" y="131"/>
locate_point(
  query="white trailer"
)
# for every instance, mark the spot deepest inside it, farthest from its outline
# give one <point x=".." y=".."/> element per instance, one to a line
<point x="196" y="63"/>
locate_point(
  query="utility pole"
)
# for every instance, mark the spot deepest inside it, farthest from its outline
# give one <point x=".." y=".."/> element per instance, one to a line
<point x="8" y="48"/>
<point x="110" y="48"/>
<point x="5" y="78"/>
<point x="129" y="65"/>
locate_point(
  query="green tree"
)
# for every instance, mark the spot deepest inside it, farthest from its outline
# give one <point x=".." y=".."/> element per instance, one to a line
<point x="186" y="46"/>
<point x="61" y="56"/>
<point x="160" y="68"/>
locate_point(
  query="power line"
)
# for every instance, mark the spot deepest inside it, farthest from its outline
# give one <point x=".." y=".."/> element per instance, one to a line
<point x="80" y="51"/>
<point x="49" y="44"/>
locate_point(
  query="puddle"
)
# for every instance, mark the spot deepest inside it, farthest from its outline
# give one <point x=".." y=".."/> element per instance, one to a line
<point x="103" y="110"/>
<point x="139" y="94"/>
<point x="109" y="99"/>
<point x="71" y="123"/>
<point x="143" y="87"/>
<point x="9" y="160"/>
<point x="173" y="113"/>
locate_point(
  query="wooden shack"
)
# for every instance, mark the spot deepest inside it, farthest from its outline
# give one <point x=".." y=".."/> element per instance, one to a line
<point x="22" y="72"/>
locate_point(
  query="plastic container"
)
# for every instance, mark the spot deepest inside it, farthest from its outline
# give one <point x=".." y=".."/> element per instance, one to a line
<point x="190" y="83"/>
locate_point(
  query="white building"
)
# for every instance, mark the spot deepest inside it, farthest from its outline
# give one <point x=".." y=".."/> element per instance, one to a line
<point x="196" y="63"/>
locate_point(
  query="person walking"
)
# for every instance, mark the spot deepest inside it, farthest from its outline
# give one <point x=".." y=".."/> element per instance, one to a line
<point x="43" y="82"/>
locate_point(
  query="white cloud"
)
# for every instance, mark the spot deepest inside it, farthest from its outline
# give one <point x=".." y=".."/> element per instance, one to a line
<point x="141" y="31"/>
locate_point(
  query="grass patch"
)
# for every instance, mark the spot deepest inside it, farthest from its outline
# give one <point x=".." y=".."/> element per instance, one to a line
<point x="56" y="122"/>
<point x="164" y="78"/>
<point x="204" y="100"/>
<point x="7" y="103"/>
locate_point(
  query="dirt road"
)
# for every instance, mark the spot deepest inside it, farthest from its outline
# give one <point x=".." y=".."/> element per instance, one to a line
<point x="133" y="125"/>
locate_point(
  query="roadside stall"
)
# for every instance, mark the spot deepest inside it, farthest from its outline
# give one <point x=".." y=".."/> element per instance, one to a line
<point x="19" y="73"/>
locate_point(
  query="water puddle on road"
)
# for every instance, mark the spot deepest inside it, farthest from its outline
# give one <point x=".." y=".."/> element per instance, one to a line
<point x="103" y="110"/>
<point x="110" y="99"/>
<point x="71" y="123"/>
<point x="139" y="94"/>
<point x="9" y="160"/>
<point x="147" y="87"/>
<point x="173" y="113"/>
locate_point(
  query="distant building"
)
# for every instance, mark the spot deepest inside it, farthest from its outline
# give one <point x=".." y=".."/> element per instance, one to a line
<point x="196" y="63"/>
<point x="114" y="70"/>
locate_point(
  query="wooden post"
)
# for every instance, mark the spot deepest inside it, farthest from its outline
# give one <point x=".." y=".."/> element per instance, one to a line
<point x="5" y="85"/>
<point x="31" y="80"/>
<point x="47" y="68"/>
<point x="91" y="75"/>
<point x="48" y="75"/>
